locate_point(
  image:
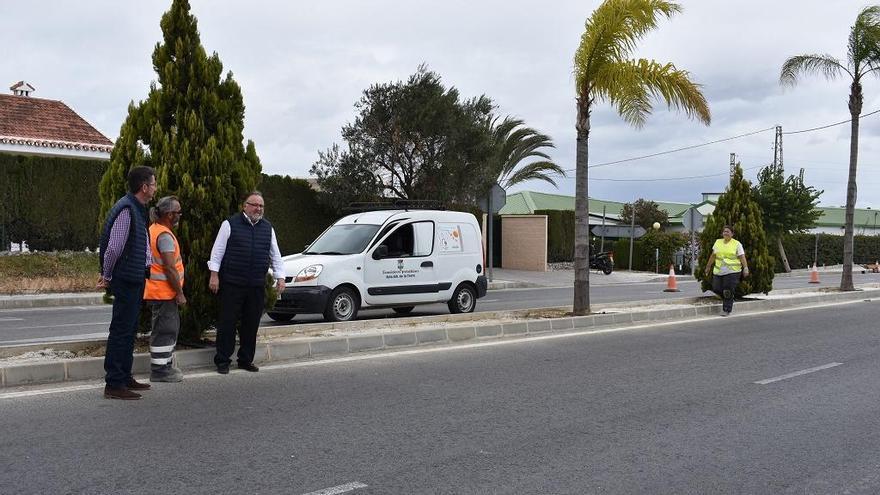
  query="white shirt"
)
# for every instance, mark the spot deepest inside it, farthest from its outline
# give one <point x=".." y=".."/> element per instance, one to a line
<point x="219" y="250"/>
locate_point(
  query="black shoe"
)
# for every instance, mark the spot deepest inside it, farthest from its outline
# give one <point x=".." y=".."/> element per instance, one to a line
<point x="248" y="367"/>
<point x="121" y="393"/>
<point x="223" y="370"/>
<point x="135" y="385"/>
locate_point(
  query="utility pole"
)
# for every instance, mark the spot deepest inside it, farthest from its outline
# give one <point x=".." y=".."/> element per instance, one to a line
<point x="732" y="164"/>
<point x="777" y="149"/>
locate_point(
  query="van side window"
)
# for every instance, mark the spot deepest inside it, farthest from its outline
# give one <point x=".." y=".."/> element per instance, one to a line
<point x="424" y="238"/>
<point x="383" y="232"/>
<point x="412" y="239"/>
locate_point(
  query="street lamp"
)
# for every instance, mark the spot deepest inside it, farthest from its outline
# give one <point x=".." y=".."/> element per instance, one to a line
<point x="656" y="227"/>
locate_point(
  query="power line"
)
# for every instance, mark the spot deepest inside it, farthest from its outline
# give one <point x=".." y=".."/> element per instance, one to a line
<point x="830" y="125"/>
<point x="678" y="149"/>
<point x="691" y="177"/>
<point x="642" y="157"/>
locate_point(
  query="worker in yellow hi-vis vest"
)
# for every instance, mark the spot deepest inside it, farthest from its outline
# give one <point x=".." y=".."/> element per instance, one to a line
<point x="727" y="263"/>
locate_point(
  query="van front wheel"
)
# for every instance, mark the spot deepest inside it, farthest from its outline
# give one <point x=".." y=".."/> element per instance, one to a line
<point x="464" y="299"/>
<point x="342" y="305"/>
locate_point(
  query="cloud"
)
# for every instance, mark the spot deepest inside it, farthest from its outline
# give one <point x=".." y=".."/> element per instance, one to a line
<point x="303" y="65"/>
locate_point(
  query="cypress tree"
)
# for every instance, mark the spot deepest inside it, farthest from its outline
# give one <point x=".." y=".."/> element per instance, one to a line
<point x="190" y="130"/>
<point x="737" y="208"/>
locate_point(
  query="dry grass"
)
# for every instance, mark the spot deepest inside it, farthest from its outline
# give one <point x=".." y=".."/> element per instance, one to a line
<point x="44" y="285"/>
<point x="41" y="273"/>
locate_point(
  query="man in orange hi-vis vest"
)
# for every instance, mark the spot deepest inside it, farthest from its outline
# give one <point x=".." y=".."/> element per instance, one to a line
<point x="164" y="290"/>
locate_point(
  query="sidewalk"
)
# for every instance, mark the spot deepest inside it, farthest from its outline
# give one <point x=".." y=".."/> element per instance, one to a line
<point x="565" y="278"/>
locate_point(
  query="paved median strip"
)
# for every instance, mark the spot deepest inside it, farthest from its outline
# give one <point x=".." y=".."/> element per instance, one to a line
<point x="285" y="344"/>
<point x="798" y="373"/>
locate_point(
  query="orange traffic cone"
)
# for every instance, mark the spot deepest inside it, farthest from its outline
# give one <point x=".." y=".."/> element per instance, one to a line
<point x="671" y="284"/>
<point x="814" y="275"/>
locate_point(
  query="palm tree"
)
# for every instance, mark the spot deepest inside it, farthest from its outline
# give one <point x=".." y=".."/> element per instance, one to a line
<point x="604" y="73"/>
<point x="512" y="143"/>
<point x="863" y="58"/>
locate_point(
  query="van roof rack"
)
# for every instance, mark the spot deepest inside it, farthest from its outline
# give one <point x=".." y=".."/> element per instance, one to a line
<point x="398" y="204"/>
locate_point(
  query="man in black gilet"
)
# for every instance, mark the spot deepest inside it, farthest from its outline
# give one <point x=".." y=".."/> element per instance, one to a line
<point x="244" y="249"/>
<point x="125" y="257"/>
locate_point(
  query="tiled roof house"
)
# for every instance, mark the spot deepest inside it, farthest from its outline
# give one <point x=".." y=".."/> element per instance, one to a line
<point x="38" y="126"/>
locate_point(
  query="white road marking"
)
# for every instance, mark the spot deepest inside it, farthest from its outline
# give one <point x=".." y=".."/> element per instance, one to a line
<point x="336" y="490"/>
<point x="32" y="393"/>
<point x="798" y="373"/>
<point x="11" y="319"/>
<point x="65" y="325"/>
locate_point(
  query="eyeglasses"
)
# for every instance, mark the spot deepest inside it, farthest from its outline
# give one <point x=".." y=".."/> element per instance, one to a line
<point x="255" y="205"/>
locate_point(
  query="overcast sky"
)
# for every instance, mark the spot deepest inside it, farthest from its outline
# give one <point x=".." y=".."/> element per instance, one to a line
<point x="302" y="66"/>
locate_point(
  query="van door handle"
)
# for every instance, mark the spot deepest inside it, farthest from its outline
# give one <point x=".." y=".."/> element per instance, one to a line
<point x="427" y="264"/>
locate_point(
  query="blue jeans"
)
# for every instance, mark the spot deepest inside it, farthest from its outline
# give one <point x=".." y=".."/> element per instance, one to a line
<point x="127" y="299"/>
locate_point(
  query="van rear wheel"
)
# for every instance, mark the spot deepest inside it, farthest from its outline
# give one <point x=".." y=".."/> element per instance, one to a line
<point x="464" y="299"/>
<point x="343" y="305"/>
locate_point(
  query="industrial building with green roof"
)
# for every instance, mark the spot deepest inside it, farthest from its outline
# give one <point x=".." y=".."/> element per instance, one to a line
<point x="527" y="202"/>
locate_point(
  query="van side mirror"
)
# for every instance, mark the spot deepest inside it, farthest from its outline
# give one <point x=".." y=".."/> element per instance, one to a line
<point x="380" y="252"/>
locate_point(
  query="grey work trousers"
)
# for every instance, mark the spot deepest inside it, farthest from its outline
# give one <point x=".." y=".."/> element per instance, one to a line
<point x="163" y="337"/>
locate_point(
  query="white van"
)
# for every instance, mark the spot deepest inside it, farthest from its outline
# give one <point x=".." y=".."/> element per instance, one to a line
<point x="386" y="259"/>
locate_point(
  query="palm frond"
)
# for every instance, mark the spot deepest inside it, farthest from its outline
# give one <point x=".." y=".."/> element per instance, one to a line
<point x="612" y="32"/>
<point x="513" y="144"/>
<point x="632" y="84"/>
<point x="863" y="47"/>
<point x="825" y="65"/>
<point x="534" y="171"/>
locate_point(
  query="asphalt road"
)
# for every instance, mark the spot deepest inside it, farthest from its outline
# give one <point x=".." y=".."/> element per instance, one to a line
<point x="48" y="324"/>
<point x="780" y="403"/>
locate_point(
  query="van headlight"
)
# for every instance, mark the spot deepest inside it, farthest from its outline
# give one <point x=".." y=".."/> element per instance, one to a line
<point x="308" y="273"/>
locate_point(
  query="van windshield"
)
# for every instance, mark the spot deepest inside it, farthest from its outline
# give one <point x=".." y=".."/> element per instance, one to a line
<point x="344" y="239"/>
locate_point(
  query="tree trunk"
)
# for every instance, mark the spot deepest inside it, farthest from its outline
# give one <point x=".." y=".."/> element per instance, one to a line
<point x="782" y="255"/>
<point x="855" y="108"/>
<point x="581" y="304"/>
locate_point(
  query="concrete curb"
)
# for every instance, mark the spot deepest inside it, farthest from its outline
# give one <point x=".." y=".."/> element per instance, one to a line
<point x="51" y="300"/>
<point x="13" y="375"/>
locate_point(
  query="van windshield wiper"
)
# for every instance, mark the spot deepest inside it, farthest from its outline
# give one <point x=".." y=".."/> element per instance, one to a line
<point x="331" y="252"/>
<point x="310" y="252"/>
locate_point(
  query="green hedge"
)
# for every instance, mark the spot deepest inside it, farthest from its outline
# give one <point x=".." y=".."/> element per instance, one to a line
<point x="560" y="234"/>
<point x="799" y="249"/>
<point x="644" y="255"/>
<point x="49" y="202"/>
<point x="293" y="208"/>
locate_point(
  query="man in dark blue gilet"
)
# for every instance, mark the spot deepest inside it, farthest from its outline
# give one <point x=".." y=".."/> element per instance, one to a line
<point x="244" y="249"/>
<point x="124" y="260"/>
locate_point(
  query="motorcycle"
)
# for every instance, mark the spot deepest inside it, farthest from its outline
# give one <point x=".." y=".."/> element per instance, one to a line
<point x="602" y="261"/>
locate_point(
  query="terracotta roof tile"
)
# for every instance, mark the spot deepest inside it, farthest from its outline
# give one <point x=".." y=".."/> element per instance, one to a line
<point x="36" y="119"/>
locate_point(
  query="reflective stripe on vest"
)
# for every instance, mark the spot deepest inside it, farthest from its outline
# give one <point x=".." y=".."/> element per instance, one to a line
<point x="157" y="287"/>
<point x="725" y="255"/>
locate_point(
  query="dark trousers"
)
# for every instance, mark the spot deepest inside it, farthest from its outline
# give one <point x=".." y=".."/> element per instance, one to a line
<point x="725" y="287"/>
<point x="244" y="303"/>
<point x="127" y="298"/>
